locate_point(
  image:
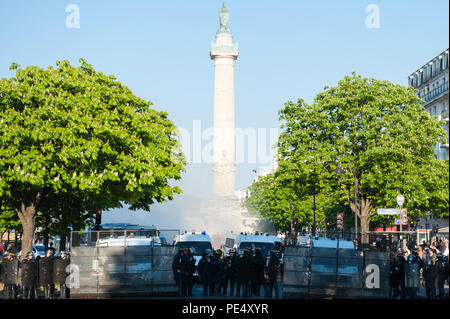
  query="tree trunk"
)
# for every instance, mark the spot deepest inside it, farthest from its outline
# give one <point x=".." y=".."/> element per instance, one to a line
<point x="365" y="220"/>
<point x="27" y="215"/>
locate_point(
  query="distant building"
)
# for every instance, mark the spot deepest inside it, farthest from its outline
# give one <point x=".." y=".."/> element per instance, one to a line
<point x="432" y="82"/>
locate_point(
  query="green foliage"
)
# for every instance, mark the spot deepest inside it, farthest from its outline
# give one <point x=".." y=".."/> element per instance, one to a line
<point x="381" y="138"/>
<point x="74" y="135"/>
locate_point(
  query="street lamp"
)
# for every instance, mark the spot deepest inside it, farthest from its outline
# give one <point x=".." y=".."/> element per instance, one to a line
<point x="427" y="215"/>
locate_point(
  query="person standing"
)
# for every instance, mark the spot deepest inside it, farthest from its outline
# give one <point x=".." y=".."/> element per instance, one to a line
<point x="429" y="274"/>
<point x="46" y="274"/>
<point x="29" y="276"/>
<point x="177" y="267"/>
<point x="190" y="267"/>
<point x="260" y="263"/>
<point x="274" y="274"/>
<point x="220" y="271"/>
<point x="246" y="270"/>
<point x="440" y="275"/>
<point x="206" y="272"/>
<point x="10" y="267"/>
<point x="231" y="266"/>
<point x="60" y="273"/>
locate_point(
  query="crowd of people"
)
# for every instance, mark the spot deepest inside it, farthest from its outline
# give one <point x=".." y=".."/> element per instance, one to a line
<point x="418" y="266"/>
<point x="30" y="273"/>
<point x="232" y="275"/>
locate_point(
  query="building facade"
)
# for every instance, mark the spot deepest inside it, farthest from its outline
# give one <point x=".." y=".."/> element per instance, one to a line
<point x="432" y="81"/>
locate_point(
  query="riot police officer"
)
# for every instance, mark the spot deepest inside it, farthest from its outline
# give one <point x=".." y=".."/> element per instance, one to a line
<point x="260" y="263"/>
<point x="60" y="273"/>
<point x="206" y="272"/>
<point x="246" y="273"/>
<point x="440" y="275"/>
<point x="412" y="275"/>
<point x="274" y="273"/>
<point x="178" y="266"/>
<point x="429" y="274"/>
<point x="29" y="276"/>
<point x="190" y="267"/>
<point x="10" y="267"/>
<point x="231" y="265"/>
<point x="46" y="274"/>
<point x="220" y="271"/>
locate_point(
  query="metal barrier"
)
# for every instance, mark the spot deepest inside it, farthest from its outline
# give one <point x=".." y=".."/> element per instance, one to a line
<point x="121" y="264"/>
<point x="335" y="273"/>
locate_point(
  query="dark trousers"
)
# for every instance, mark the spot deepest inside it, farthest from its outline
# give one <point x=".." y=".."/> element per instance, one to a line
<point x="208" y="286"/>
<point x="229" y="278"/>
<point x="247" y="292"/>
<point x="187" y="286"/>
<point x="64" y="291"/>
<point x="9" y="292"/>
<point x="273" y="285"/>
<point x="431" y="293"/>
<point x="49" y="291"/>
<point x="29" y="292"/>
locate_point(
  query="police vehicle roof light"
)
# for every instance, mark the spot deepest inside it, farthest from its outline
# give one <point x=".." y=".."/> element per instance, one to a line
<point x="203" y="232"/>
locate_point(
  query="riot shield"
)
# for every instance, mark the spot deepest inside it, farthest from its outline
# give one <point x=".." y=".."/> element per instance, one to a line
<point x="29" y="273"/>
<point x="59" y="270"/>
<point x="46" y="270"/>
<point x="9" y="271"/>
<point x="412" y="275"/>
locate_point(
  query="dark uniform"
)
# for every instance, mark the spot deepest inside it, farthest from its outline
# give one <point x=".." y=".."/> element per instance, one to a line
<point x="260" y="263"/>
<point x="441" y="275"/>
<point x="246" y="274"/>
<point x="412" y="276"/>
<point x="10" y="268"/>
<point x="274" y="274"/>
<point x="190" y="268"/>
<point x="46" y="274"/>
<point x="396" y="275"/>
<point x="29" y="276"/>
<point x="60" y="273"/>
<point x="231" y="264"/>
<point x="179" y="267"/>
<point x="206" y="271"/>
<point x="220" y="272"/>
<point x="429" y="274"/>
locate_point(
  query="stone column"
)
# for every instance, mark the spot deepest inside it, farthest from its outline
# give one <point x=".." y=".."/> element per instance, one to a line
<point x="224" y="53"/>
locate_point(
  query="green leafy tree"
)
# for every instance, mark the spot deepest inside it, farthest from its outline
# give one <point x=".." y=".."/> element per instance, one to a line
<point x="75" y="133"/>
<point x="278" y="202"/>
<point x="369" y="140"/>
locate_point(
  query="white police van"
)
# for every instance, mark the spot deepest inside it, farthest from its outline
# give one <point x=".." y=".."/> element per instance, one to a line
<point x="125" y="235"/>
<point x="241" y="241"/>
<point x="197" y="242"/>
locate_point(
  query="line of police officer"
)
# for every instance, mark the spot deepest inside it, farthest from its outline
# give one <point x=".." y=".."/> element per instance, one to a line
<point x="405" y="274"/>
<point x="247" y="273"/>
<point x="44" y="272"/>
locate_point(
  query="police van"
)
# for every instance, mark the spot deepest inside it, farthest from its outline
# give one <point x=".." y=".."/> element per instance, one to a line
<point x="241" y="241"/>
<point x="125" y="235"/>
<point x="197" y="242"/>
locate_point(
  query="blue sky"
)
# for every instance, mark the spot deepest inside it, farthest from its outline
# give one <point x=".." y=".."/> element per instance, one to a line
<point x="288" y="49"/>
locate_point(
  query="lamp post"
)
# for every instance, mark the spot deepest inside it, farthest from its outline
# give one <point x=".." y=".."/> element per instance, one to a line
<point x="426" y="226"/>
<point x="314" y="208"/>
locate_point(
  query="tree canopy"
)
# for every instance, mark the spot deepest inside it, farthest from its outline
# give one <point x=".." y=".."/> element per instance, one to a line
<point x="71" y="133"/>
<point x="367" y="139"/>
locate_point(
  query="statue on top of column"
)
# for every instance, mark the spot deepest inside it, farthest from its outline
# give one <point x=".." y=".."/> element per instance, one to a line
<point x="224" y="19"/>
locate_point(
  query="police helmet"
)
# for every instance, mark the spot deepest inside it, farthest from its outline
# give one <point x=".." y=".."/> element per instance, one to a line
<point x="29" y="254"/>
<point x="219" y="252"/>
<point x="232" y="250"/>
<point x="440" y="255"/>
<point x="49" y="252"/>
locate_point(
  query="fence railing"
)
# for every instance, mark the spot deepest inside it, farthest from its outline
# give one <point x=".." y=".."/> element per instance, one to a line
<point x="122" y="263"/>
<point x="335" y="273"/>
